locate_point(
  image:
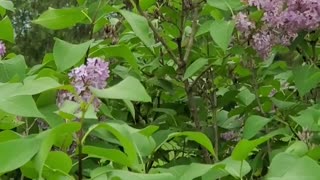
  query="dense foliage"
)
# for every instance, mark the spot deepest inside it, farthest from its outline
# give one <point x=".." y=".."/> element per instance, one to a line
<point x="160" y="90"/>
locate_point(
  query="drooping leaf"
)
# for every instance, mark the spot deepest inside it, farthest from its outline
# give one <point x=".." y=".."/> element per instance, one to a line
<point x="6" y="4"/>
<point x="221" y="32"/>
<point x="108" y="154"/>
<point x="195" y="67"/>
<point x="67" y="55"/>
<point x="128" y="89"/>
<point x="15" y="153"/>
<point x="309" y="118"/>
<point x="306" y="78"/>
<point x="119" y="51"/>
<point x="253" y="125"/>
<point x="140" y="27"/>
<point x="6" y="30"/>
<point x="135" y="176"/>
<point x="244" y="147"/>
<point x="13" y="68"/>
<point x="60" y="18"/>
<point x="300" y="168"/>
<point x="21" y="106"/>
<point x="246" y="97"/>
<point x="225" y="5"/>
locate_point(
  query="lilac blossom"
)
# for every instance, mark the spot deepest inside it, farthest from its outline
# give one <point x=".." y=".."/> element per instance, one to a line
<point x="282" y="21"/>
<point x="243" y="24"/>
<point x="93" y="74"/>
<point x="2" y="49"/>
<point x="230" y="136"/>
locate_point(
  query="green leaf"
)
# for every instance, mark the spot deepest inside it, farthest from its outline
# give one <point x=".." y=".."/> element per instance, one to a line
<point x="9" y="121"/>
<point x="221" y="32"/>
<point x="6" y="30"/>
<point x="107" y="154"/>
<point x="187" y="172"/>
<point x="21" y="106"/>
<point x="309" y="118"/>
<point x="135" y="176"/>
<point x="57" y="161"/>
<point x="15" y="153"/>
<point x="140" y="27"/>
<point x="67" y="55"/>
<point x="298" y="148"/>
<point x="244" y="147"/>
<point x="130" y="106"/>
<point x="15" y="67"/>
<point x="246" y="97"/>
<point x="121" y="136"/>
<point x="195" y="67"/>
<point x="8" y="135"/>
<point x="6" y="4"/>
<point x="283" y="105"/>
<point x="306" y="78"/>
<point x="198" y="137"/>
<point x="33" y="86"/>
<point x="225" y="5"/>
<point x="60" y="18"/>
<point x="290" y="167"/>
<point x="124" y="90"/>
<point x="119" y="51"/>
<point x="253" y="125"/>
<point x="236" y="168"/>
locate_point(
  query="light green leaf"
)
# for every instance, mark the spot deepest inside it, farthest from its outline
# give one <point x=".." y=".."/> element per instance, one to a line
<point x="67" y="55"/>
<point x="6" y="4"/>
<point x="108" y="154"/>
<point x="135" y="176"/>
<point x="285" y="166"/>
<point x="298" y="148"/>
<point x="225" y="5"/>
<point x="198" y="137"/>
<point x="9" y="121"/>
<point x="121" y="136"/>
<point x="33" y="86"/>
<point x="15" y="153"/>
<point x="244" y="147"/>
<point x="253" y="125"/>
<point x="130" y="107"/>
<point x="283" y="105"/>
<point x="309" y="118"/>
<point x="119" y="51"/>
<point x="57" y="161"/>
<point x="128" y="89"/>
<point x="140" y="27"/>
<point x="236" y="168"/>
<point x="60" y="18"/>
<point x="21" y="106"/>
<point x="15" y="67"/>
<point x="187" y="172"/>
<point x="221" y="32"/>
<point x="195" y="67"/>
<point x="6" y="30"/>
<point x="246" y="97"/>
<point x="306" y="78"/>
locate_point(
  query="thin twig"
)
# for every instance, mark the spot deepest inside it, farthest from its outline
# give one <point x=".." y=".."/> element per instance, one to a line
<point x="156" y="33"/>
<point x="192" y="35"/>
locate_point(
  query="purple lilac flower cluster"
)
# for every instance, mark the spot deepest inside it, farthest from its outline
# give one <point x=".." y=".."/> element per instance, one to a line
<point x="230" y="136"/>
<point x="2" y="49"/>
<point x="282" y="21"/>
<point x="94" y="74"/>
